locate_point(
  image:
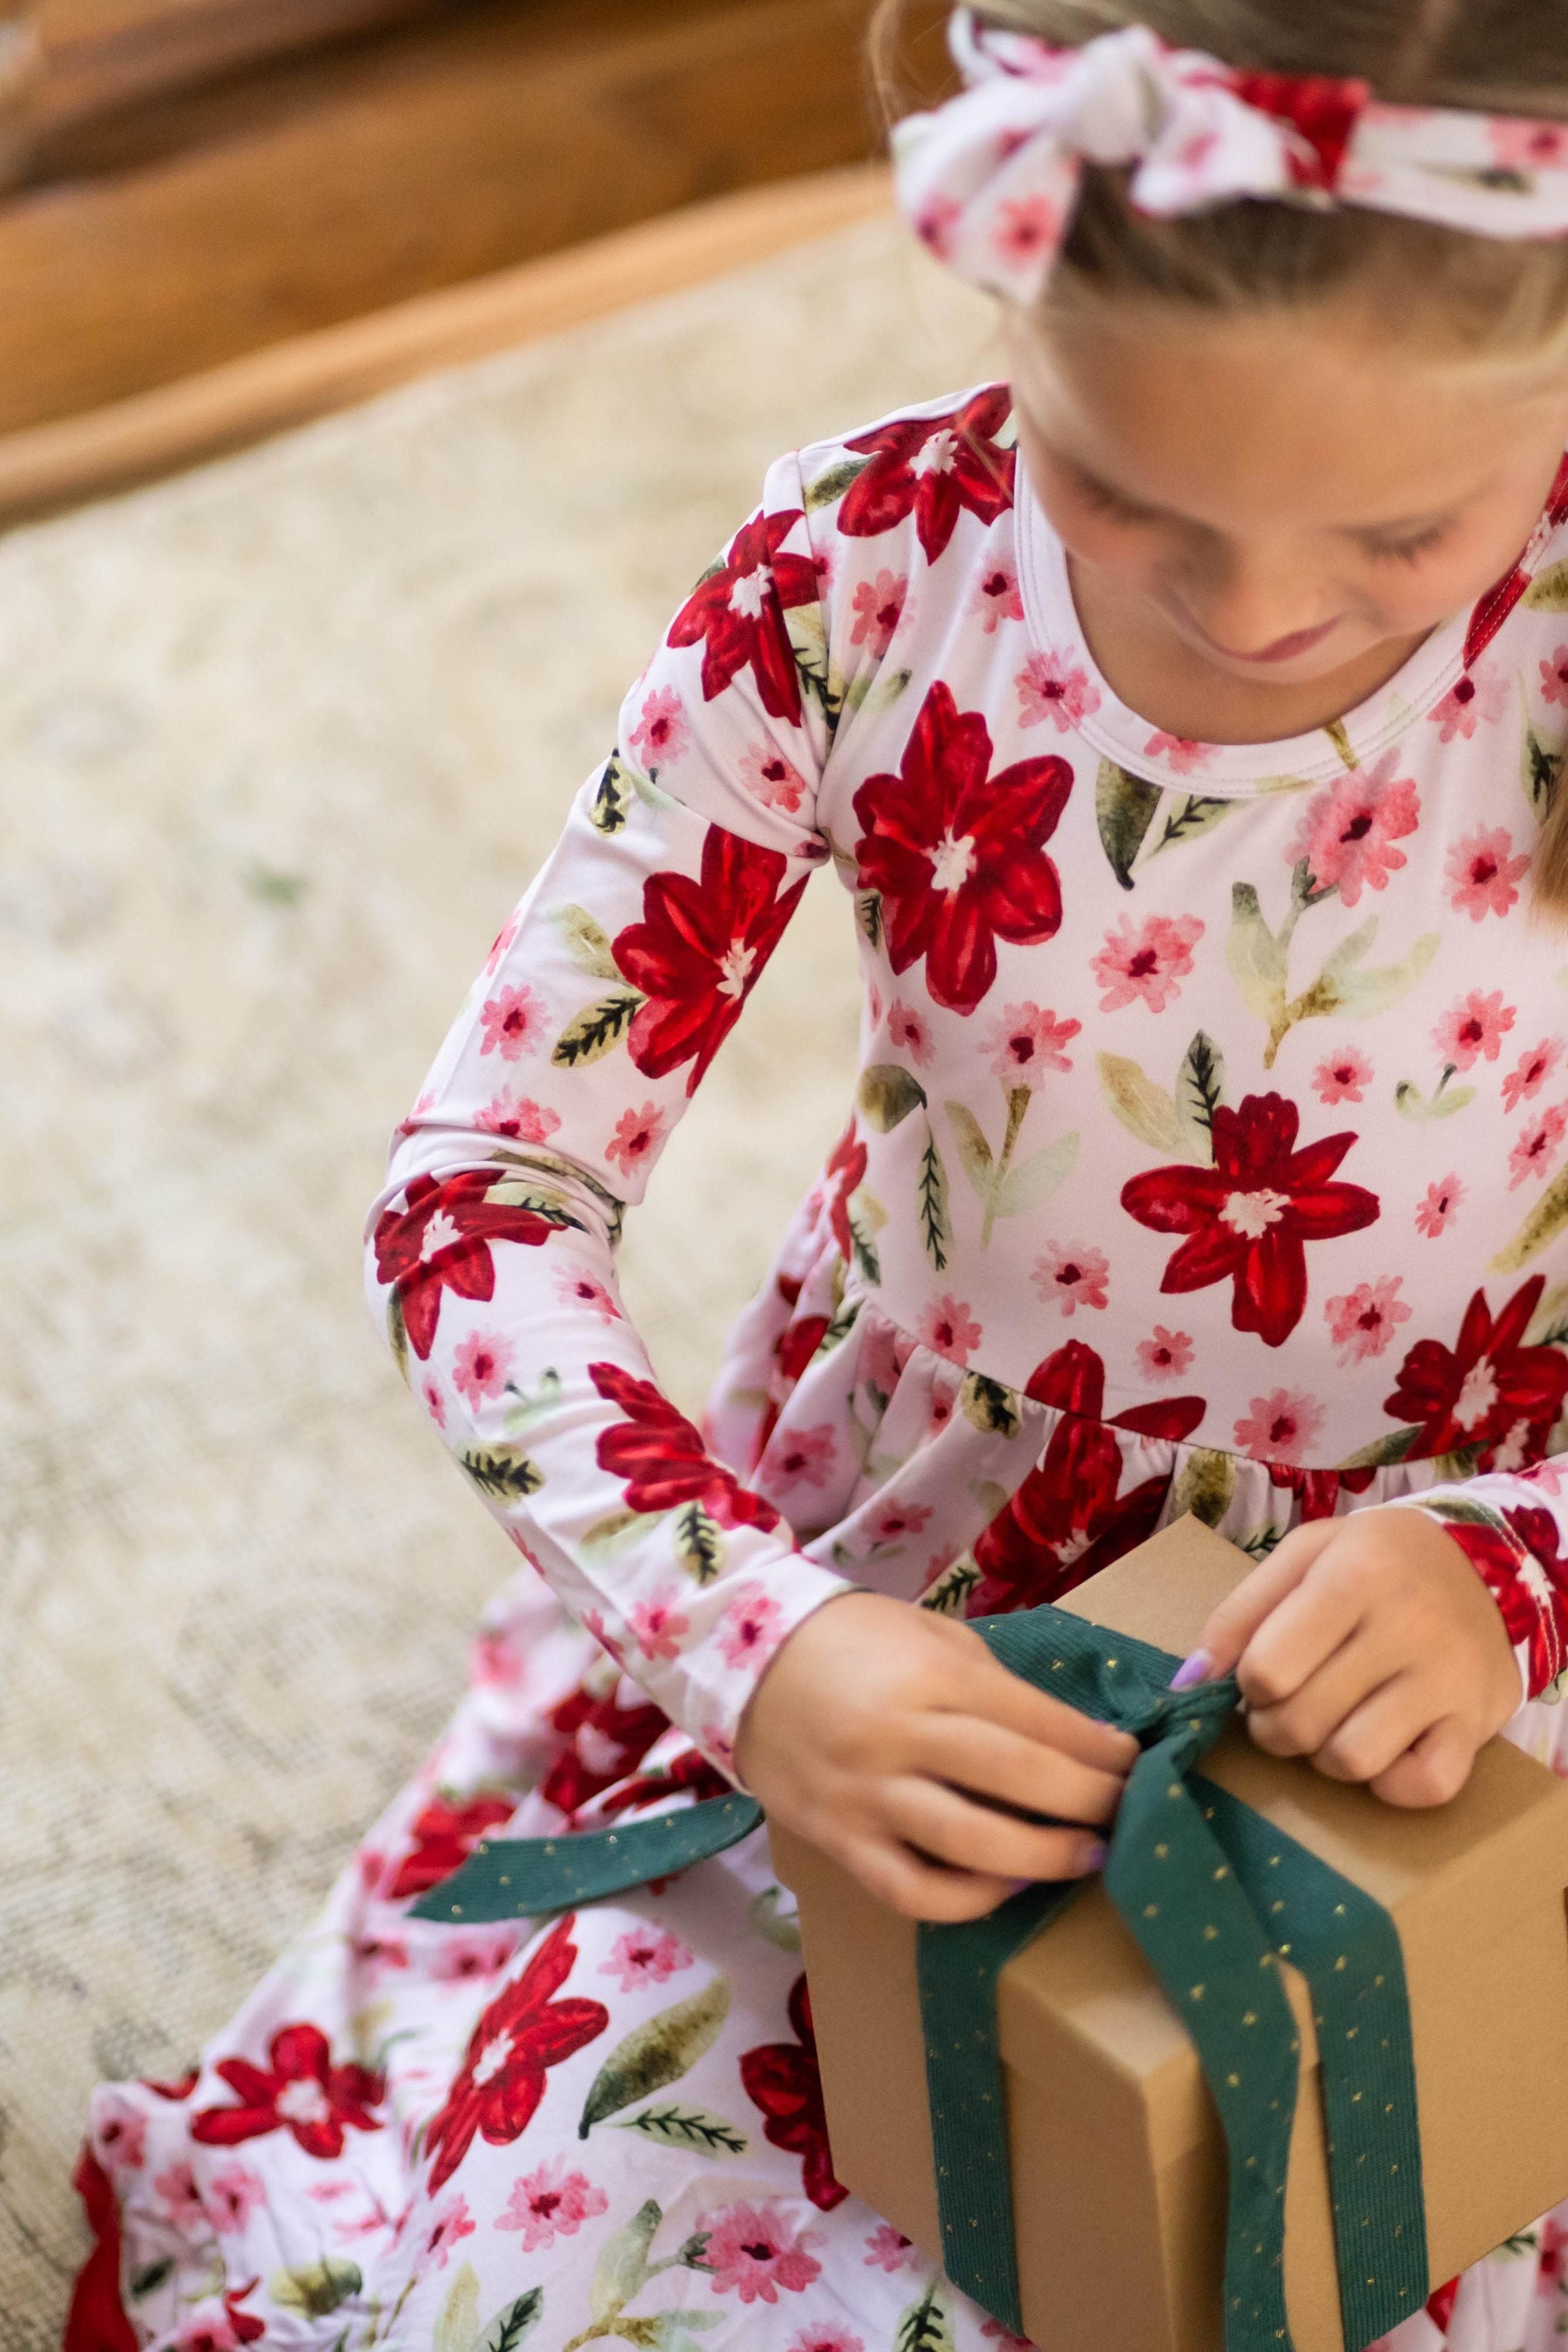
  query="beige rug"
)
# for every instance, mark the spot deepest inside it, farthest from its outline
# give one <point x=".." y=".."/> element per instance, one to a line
<point x="281" y="742"/>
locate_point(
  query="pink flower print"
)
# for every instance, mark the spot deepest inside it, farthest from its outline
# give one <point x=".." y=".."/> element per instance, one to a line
<point x="177" y="2192"/>
<point x="551" y="2203"/>
<point x="443" y="2228"/>
<point x="461" y="1959"/>
<point x="715" y="1741"/>
<point x="434" y="1404"/>
<point x="513" y="1022"/>
<point x="1049" y="688"/>
<point x="496" y="1661"/>
<point x="1521" y="145"/>
<point x="1364" y="1320"/>
<point x="481" y="1366"/>
<point x="1525" y="1083"/>
<point x="118" y="2133"/>
<point x="516" y="1117"/>
<point x="645" y="1956"/>
<point x="1482" y="694"/>
<point x="587" y="1290"/>
<point x="996" y="598"/>
<point x="1178" y="752"/>
<point x="378" y="1955"/>
<point x="755" y="2249"/>
<point x="1027" y="228"/>
<point x="1537" y="1146"/>
<point x="232" y="2196"/>
<point x="1070" y="1278"/>
<point x="662" y="732"/>
<point x="637" y="1138"/>
<point x="1439" y="1207"/>
<point x="1168" y="1356"/>
<point x="1554" y="676"/>
<point x="821" y="2336"/>
<point x="772" y="779"/>
<point x="807" y="1458"/>
<point x="935" y="223"/>
<point x="503" y="940"/>
<point x="1348" y="832"/>
<point x="947" y="1330"/>
<point x="1281" y="1426"/>
<point x="1483" y="874"/>
<point x="889" y="2250"/>
<point x="1026" y="1042"/>
<point x="658" y="1624"/>
<point x="894" y="1521"/>
<point x="1343" y="1077"/>
<point x="1477" y="1024"/>
<point x="879" y="608"/>
<point x="1146" y="962"/>
<point x="749" y="1630"/>
<point x="911" y="1032"/>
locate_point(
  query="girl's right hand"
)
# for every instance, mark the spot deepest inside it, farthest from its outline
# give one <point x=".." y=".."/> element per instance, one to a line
<point x="880" y="1733"/>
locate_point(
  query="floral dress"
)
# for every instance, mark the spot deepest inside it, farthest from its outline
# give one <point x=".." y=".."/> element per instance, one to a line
<point x="1209" y="1154"/>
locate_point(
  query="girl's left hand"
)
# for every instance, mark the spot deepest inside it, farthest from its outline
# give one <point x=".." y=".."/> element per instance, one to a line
<point x="1370" y="1644"/>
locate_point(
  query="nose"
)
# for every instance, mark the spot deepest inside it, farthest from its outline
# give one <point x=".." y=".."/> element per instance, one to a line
<point x="1252" y="602"/>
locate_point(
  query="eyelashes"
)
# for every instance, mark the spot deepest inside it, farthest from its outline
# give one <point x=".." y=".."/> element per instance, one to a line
<point x="1116" y="508"/>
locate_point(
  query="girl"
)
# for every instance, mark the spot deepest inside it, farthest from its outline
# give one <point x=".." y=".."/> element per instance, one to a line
<point x="1182" y="719"/>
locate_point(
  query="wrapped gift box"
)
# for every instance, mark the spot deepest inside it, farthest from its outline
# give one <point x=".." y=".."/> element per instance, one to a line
<point x="1117" y="2160"/>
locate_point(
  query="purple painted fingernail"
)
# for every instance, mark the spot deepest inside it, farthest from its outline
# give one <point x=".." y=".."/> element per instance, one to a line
<point x="1097" y="1857"/>
<point x="1198" y="1668"/>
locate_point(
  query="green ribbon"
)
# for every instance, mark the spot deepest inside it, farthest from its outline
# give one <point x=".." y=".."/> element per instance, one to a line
<point x="1215" y="1896"/>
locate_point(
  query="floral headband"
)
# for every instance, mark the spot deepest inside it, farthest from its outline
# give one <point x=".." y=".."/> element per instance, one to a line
<point x="990" y="180"/>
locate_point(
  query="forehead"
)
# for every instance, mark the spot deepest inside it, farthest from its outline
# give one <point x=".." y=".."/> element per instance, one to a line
<point x="1301" y="415"/>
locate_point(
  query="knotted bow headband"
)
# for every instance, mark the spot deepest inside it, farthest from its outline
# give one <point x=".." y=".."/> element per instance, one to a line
<point x="990" y="180"/>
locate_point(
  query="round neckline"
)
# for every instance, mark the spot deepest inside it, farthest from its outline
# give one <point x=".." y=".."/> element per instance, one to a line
<point x="1216" y="771"/>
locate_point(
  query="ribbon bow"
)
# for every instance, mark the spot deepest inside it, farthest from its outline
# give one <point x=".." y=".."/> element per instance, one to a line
<point x="1215" y="1896"/>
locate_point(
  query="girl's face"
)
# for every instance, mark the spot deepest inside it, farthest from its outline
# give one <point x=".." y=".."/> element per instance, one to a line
<point x="1286" y="497"/>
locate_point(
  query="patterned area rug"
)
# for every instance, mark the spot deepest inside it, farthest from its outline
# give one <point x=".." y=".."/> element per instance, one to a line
<point x="281" y="743"/>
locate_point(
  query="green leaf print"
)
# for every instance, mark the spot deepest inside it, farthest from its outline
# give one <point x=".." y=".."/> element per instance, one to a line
<point x="989" y="1407"/>
<point x="830" y="486"/>
<point x="948" y="1596"/>
<point x="1548" y="1327"/>
<point x="1257" y="959"/>
<point x="1541" y="766"/>
<point x="397" y="1330"/>
<point x="1200" y="1090"/>
<point x="458" y="2325"/>
<point x="936" y="1225"/>
<point x="866" y="1218"/>
<point x="869" y="915"/>
<point x="612" y="804"/>
<point x="766" y="1921"/>
<point x="1196" y="814"/>
<point x="1542" y="1225"/>
<point x="1412" y="1104"/>
<point x="699" y="1543"/>
<point x="973" y="1152"/>
<point x="621" y="2270"/>
<point x="585" y="941"/>
<point x="1462" y="1513"/>
<point x="1126" y="807"/>
<point x="597" y="1030"/>
<point x="1002" y="1189"/>
<point x="504" y="1473"/>
<point x="1547" y="593"/>
<point x="1147" y="1111"/>
<point x="530" y="1405"/>
<point x="690" y="2127"/>
<point x="1258" y="963"/>
<point x="657" y="2053"/>
<point x="618" y="1529"/>
<point x="1363" y="995"/>
<point x="509" y="2327"/>
<point x="888" y="1095"/>
<point x="808" y="632"/>
<point x="1205" y="1486"/>
<point x="927" y="2324"/>
<point x="1394" y="1446"/>
<point x="317" y="2288"/>
<point x="1023" y="1188"/>
<point x="877" y="690"/>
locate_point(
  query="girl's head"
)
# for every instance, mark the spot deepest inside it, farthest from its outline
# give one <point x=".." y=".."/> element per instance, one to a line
<point x="1298" y="433"/>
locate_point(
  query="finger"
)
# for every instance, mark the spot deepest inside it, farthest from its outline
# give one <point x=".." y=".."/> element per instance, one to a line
<point x="1435" y="1768"/>
<point x="1331" y="1699"/>
<point x="1299" y="1636"/>
<point x="1376" y="1734"/>
<point x="919" y="1889"/>
<point x="940" y="1822"/>
<point x="1232" y="1626"/>
<point x="995" y="1695"/>
<point x="988" y="1760"/>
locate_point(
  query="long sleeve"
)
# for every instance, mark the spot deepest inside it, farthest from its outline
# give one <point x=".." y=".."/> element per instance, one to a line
<point x="492" y="1258"/>
<point x="1512" y="1525"/>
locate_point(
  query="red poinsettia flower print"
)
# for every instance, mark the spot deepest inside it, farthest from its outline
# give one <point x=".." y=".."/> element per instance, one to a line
<point x="845" y="1174"/>
<point x="737" y="614"/>
<point x="524" y="2030"/>
<point x="957" y="853"/>
<point x="1530" y="1592"/>
<point x="96" y="2321"/>
<point x="300" y="2091"/>
<point x="601" y="1742"/>
<point x="935" y="467"/>
<point x="1500" y="600"/>
<point x="662" y="1459"/>
<point x="1068" y="1519"/>
<point x="700" y="950"/>
<point x="441" y="1239"/>
<point x="444" y="1837"/>
<point x="1487" y="1390"/>
<point x="784" y="2080"/>
<point x="1248" y="1217"/>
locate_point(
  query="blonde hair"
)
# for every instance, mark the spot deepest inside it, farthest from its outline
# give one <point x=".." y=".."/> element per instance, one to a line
<point x="1448" y="290"/>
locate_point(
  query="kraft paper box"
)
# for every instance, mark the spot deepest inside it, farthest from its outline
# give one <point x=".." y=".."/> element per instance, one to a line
<point x="1117" y="2157"/>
